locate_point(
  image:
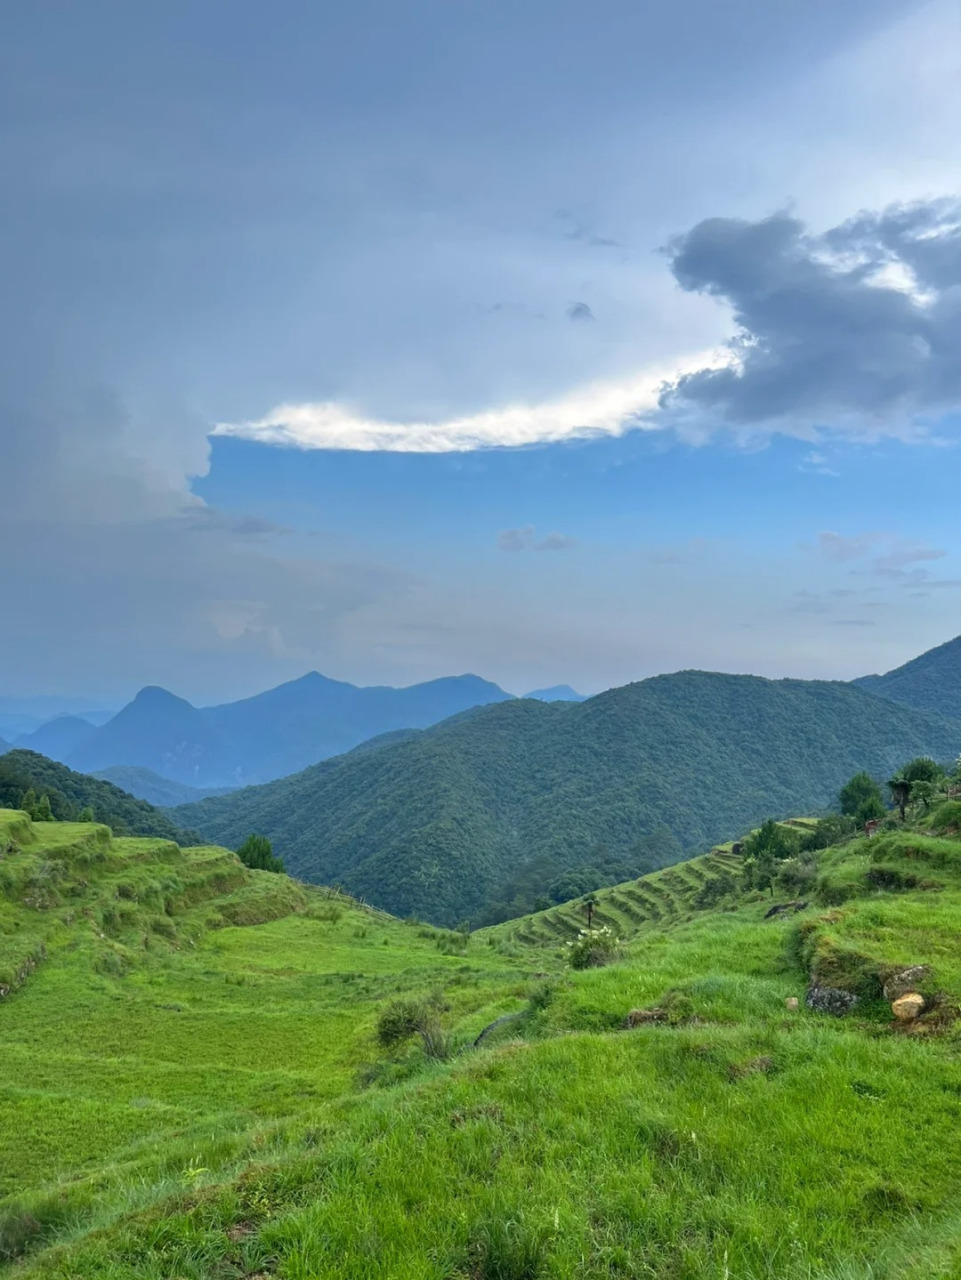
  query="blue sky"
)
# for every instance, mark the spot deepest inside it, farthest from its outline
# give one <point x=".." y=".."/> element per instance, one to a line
<point x="561" y="343"/>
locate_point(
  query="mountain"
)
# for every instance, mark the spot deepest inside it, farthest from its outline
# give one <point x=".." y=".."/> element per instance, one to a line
<point x="150" y="786"/>
<point x="932" y="681"/>
<point x="4" y="746"/>
<point x="58" y="738"/>
<point x="69" y="793"/>
<point x="272" y="734"/>
<point x="443" y="825"/>
<point x="557" y="693"/>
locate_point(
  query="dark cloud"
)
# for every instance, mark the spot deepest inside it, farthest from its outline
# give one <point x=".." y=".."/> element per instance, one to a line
<point x="579" y="311"/>
<point x="857" y="327"/>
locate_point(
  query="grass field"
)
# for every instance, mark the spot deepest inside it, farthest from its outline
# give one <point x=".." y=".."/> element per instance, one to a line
<point x="192" y="1088"/>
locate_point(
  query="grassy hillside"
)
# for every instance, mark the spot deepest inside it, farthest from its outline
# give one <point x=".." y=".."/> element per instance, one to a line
<point x="440" y="825"/>
<point x="70" y="793"/>
<point x="932" y="681"/>
<point x="215" y="1104"/>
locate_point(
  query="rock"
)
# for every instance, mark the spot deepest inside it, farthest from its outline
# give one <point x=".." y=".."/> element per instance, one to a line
<point x="907" y="1007"/>
<point x="780" y="907"/>
<point x="830" y="1000"/>
<point x="792" y="1004"/>
<point x="638" y="1017"/>
<point x="908" y="980"/>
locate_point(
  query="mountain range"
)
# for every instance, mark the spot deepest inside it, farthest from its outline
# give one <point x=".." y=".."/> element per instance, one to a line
<point x="255" y="739"/>
<point x="468" y="817"/>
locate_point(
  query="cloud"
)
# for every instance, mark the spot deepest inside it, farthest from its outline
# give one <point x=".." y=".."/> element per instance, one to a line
<point x="555" y="542"/>
<point x="854" y="330"/>
<point x="887" y="555"/>
<point x="524" y="539"/>
<point x="602" y="408"/>
<point x="857" y="328"/>
<point x="516" y="539"/>
<point x="579" y="311"/>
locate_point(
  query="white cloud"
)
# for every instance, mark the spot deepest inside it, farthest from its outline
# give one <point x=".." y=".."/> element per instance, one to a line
<point x="600" y="408"/>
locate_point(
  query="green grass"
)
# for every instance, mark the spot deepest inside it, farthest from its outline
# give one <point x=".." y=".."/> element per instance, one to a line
<point x="217" y="1107"/>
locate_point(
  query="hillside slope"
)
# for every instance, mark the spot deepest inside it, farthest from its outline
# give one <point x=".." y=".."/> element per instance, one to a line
<point x="272" y="734"/>
<point x="152" y="787"/>
<point x="437" y="826"/>
<point x="193" y="1056"/>
<point x="69" y="793"/>
<point x="931" y="681"/>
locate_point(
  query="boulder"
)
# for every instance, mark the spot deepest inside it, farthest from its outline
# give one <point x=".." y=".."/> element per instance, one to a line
<point x="638" y="1017"/>
<point x="792" y="1004"/>
<point x="830" y="1000"/>
<point x="907" y="1007"/>
<point x="908" y="980"/>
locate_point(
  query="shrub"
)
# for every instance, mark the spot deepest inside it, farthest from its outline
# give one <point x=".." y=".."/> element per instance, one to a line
<point x="593" y="948"/>
<point x="258" y="853"/>
<point x="403" y="1019"/>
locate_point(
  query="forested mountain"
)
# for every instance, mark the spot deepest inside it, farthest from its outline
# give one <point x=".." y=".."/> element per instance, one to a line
<point x="932" y="681"/>
<point x="58" y="738"/>
<point x="442" y="824"/>
<point x="557" y="693"/>
<point x="272" y="734"/>
<point x="156" y="790"/>
<point x="70" y="793"/>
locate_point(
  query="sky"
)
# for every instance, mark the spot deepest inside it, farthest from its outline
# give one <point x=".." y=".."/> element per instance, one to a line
<point x="557" y="342"/>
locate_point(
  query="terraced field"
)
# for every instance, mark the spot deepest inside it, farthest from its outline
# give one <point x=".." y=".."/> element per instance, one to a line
<point x="652" y="901"/>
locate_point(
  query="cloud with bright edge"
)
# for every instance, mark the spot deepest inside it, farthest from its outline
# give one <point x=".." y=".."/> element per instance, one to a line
<point x="855" y="330"/>
<point x="602" y="408"/>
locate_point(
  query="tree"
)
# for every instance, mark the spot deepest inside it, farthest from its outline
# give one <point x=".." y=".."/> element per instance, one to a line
<point x="861" y="790"/>
<point x="43" y="812"/>
<point x="86" y="815"/>
<point x="258" y="853"/>
<point x="922" y="769"/>
<point x="900" y="788"/>
<point x="869" y="809"/>
<point x="764" y="850"/>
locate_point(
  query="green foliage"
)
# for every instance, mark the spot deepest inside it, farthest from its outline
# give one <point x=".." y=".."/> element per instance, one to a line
<point x="923" y="769"/>
<point x="860" y="791"/>
<point x="593" y="948"/>
<point x="900" y="788"/>
<point x="764" y="850"/>
<point x="86" y="814"/>
<point x="257" y="852"/>
<point x="481" y="815"/>
<point x="25" y="776"/>
<point x="403" y="1019"/>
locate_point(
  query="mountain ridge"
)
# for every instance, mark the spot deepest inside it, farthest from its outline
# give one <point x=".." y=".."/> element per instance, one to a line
<point x="270" y="734"/>
<point x="441" y="822"/>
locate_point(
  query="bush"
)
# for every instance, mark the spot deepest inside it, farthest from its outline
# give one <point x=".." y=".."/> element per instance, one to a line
<point x="401" y="1020"/>
<point x="258" y="853"/>
<point x="593" y="948"/>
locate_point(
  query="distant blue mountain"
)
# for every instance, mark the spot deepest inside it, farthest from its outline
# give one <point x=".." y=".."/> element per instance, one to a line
<point x="58" y="738"/>
<point x="557" y="693"/>
<point x="272" y="734"/>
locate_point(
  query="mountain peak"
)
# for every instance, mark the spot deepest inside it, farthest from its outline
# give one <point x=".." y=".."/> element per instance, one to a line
<point x="154" y="697"/>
